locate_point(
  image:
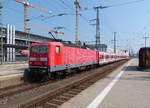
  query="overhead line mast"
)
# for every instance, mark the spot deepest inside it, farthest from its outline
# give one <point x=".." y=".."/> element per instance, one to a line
<point x="78" y="7"/>
<point x="26" y="5"/>
<point x="145" y="38"/>
<point x="114" y="42"/>
<point x="98" y="38"/>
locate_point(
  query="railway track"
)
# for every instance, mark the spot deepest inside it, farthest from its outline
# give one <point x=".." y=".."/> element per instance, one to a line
<point x="17" y="89"/>
<point x="24" y="87"/>
<point x="11" y="89"/>
<point x="55" y="98"/>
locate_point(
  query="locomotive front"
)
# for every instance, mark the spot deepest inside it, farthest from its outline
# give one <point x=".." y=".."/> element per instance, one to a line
<point x="38" y="61"/>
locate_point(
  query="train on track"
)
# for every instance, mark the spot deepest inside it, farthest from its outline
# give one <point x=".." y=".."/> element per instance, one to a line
<point x="48" y="59"/>
<point x="144" y="57"/>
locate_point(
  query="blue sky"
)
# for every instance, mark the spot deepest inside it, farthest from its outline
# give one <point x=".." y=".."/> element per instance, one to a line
<point x="130" y="21"/>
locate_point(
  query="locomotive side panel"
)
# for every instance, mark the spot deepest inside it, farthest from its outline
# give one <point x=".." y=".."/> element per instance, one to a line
<point x="65" y="57"/>
<point x="75" y="57"/>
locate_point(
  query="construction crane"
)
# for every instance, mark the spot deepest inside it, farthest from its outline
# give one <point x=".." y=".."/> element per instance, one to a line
<point x="26" y="5"/>
<point x="78" y="7"/>
<point x="51" y="30"/>
<point x="77" y="4"/>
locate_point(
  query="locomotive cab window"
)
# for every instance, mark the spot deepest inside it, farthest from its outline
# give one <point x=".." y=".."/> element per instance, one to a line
<point x="57" y="49"/>
<point x="39" y="49"/>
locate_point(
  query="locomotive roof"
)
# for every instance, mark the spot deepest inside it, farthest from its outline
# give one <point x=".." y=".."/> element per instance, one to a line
<point x="68" y="43"/>
<point x="65" y="43"/>
<point x="144" y="48"/>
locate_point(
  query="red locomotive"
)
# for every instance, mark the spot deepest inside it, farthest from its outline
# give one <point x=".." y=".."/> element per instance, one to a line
<point x="48" y="58"/>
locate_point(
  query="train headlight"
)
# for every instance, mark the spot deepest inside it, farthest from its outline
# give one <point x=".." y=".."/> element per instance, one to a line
<point x="45" y="63"/>
<point x="30" y="63"/>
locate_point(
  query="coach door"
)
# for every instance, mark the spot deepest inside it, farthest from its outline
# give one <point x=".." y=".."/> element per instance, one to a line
<point x="58" y="55"/>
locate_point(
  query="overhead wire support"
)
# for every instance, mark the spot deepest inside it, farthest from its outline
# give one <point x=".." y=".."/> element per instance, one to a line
<point x="114" y="42"/>
<point x="98" y="38"/>
<point x="98" y="41"/>
<point x="145" y="38"/>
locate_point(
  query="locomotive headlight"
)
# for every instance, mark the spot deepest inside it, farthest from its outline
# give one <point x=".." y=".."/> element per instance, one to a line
<point x="30" y="63"/>
<point x="45" y="63"/>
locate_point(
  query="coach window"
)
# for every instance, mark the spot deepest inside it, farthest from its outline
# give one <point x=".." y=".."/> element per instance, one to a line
<point x="102" y="57"/>
<point x="57" y="49"/>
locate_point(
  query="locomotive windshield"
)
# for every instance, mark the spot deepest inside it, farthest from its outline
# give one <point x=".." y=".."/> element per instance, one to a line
<point x="42" y="49"/>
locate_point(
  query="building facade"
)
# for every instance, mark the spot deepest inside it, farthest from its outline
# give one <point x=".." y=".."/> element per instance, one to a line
<point x="14" y="41"/>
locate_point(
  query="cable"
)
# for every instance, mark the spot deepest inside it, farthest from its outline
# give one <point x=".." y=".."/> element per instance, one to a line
<point x="4" y="1"/>
<point x="126" y="3"/>
<point x="52" y="6"/>
<point x="20" y="12"/>
<point x="66" y="5"/>
<point x="15" y="10"/>
<point x="73" y="10"/>
<point x="85" y="19"/>
<point x="116" y="5"/>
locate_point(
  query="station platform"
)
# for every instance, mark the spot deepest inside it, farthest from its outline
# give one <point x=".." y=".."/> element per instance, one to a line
<point x="126" y="87"/>
<point x="11" y="74"/>
<point x="10" y="69"/>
